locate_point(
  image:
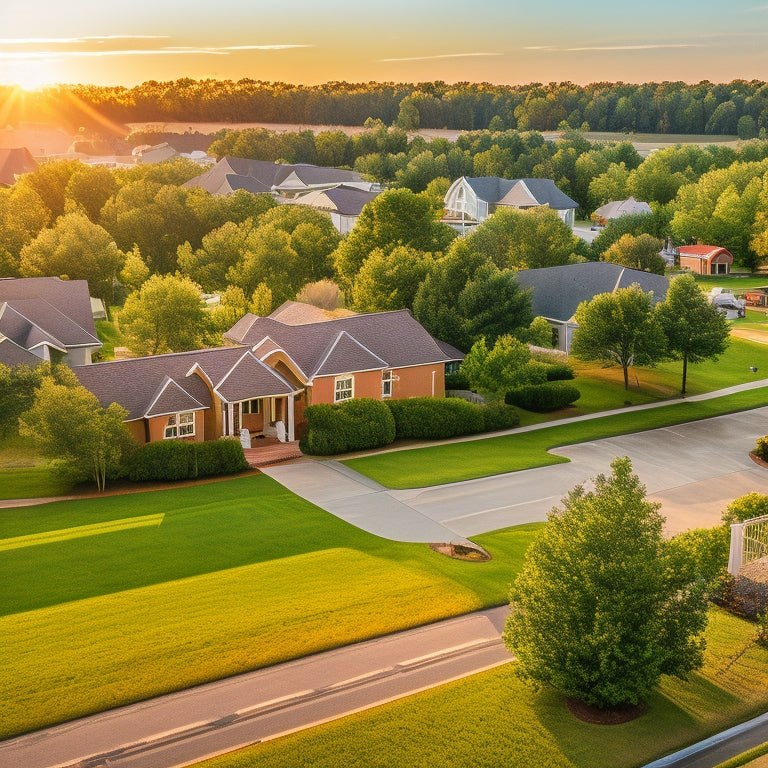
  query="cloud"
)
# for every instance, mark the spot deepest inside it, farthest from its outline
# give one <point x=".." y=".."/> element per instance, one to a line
<point x="88" y="51"/>
<point x="636" y="47"/>
<point x="440" y="56"/>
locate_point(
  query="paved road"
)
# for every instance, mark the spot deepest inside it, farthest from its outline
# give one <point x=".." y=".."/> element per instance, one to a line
<point x="694" y="469"/>
<point x="185" y="727"/>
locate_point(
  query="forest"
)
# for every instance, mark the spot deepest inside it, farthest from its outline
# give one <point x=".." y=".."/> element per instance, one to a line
<point x="739" y="107"/>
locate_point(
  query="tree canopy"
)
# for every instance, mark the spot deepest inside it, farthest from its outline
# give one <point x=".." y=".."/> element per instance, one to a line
<point x="597" y="613"/>
<point x="694" y="328"/>
<point x="618" y="328"/>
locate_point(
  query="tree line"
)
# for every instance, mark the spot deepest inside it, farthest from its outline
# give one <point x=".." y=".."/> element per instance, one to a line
<point x="668" y="107"/>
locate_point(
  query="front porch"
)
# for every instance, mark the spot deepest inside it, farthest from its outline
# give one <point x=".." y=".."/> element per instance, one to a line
<point x="266" y="451"/>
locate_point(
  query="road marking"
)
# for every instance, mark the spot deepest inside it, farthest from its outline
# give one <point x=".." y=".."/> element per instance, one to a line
<point x="272" y="702"/>
<point x="501" y="509"/>
<point x="444" y="652"/>
<point x="359" y="678"/>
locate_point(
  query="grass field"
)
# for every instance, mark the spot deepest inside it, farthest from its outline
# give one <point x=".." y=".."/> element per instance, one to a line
<point x="453" y="462"/>
<point x="492" y="719"/>
<point x="112" y="600"/>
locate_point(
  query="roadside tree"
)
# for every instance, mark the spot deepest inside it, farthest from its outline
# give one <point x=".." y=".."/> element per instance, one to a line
<point x="619" y="329"/>
<point x="695" y="330"/>
<point x="637" y="252"/>
<point x="596" y="611"/>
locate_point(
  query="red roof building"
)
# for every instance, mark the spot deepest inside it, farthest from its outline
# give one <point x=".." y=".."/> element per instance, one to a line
<point x="705" y="259"/>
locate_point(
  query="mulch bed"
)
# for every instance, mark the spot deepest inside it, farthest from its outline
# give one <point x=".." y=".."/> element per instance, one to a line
<point x="616" y="716"/>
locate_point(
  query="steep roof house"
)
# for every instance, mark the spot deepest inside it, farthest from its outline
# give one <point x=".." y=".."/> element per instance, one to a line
<point x="558" y="291"/>
<point x="279" y="365"/>
<point x="379" y="355"/>
<point x="343" y="203"/>
<point x="200" y="395"/>
<point x="618" y="208"/>
<point x="470" y="201"/>
<point x="46" y="318"/>
<point x="705" y="259"/>
<point x="13" y="163"/>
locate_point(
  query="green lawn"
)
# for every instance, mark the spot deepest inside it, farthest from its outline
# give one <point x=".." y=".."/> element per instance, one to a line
<point x="110" y="337"/>
<point x="453" y="462"/>
<point x="492" y="719"/>
<point x="23" y="474"/>
<point x="101" y="607"/>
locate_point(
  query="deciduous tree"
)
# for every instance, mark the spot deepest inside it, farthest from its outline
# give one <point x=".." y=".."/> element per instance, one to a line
<point x="596" y="612"/>
<point x="620" y="329"/>
<point x="637" y="252"/>
<point x="695" y="330"/>
<point x="165" y="315"/>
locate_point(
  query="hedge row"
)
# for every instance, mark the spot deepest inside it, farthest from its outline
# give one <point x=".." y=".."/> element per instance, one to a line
<point x="183" y="460"/>
<point x="361" y="424"/>
<point x="542" y="398"/>
<point x="354" y="425"/>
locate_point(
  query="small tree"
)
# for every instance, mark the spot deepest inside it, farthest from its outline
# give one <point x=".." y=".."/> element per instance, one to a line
<point x="619" y="328"/>
<point x="695" y="330"/>
<point x="504" y="366"/>
<point x="597" y="613"/>
<point x="68" y="424"/>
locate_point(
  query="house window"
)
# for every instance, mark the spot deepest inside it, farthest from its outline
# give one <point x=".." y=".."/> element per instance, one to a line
<point x="252" y="406"/>
<point x="180" y="425"/>
<point x="386" y="383"/>
<point x="343" y="389"/>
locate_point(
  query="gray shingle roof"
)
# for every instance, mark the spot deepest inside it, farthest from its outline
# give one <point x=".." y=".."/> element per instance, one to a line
<point x="137" y="383"/>
<point x="558" y="291"/>
<point x="12" y="354"/>
<point x="69" y="297"/>
<point x="492" y="189"/>
<point x="395" y="338"/>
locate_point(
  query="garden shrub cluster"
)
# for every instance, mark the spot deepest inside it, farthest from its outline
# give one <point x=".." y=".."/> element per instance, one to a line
<point x="456" y="380"/>
<point x="761" y="448"/>
<point x="354" y="425"/>
<point x="498" y="416"/>
<point x="184" y="460"/>
<point x="429" y="418"/>
<point x="543" y="398"/>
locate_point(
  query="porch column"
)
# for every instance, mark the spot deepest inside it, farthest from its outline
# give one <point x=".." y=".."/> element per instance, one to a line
<point x="231" y="412"/>
<point x="737" y="548"/>
<point x="291" y="419"/>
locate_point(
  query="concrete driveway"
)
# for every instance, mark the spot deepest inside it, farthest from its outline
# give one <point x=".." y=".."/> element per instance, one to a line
<point x="693" y="469"/>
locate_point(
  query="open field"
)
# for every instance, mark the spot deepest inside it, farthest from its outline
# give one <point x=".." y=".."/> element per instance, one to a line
<point x="492" y="719"/>
<point x="190" y="585"/>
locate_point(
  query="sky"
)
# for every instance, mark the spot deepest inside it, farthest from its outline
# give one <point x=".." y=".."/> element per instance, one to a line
<point x="44" y="42"/>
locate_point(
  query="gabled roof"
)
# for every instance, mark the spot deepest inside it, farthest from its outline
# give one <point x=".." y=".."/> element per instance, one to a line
<point x="70" y="297"/>
<point x="347" y="344"/>
<point x="13" y="163"/>
<point x="558" y="291"/>
<point x="493" y="189"/>
<point x="23" y="332"/>
<point x="11" y="354"/>
<point x="232" y="173"/>
<point x="617" y="208"/>
<point x="342" y="199"/>
<point x="147" y="386"/>
<point x="53" y="324"/>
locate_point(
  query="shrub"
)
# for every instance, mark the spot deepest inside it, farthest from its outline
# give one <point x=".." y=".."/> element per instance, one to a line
<point x="761" y="448"/>
<point x="559" y="372"/>
<point x="456" y="380"/>
<point x="354" y="425"/>
<point x="542" y="398"/>
<point x="746" y="508"/>
<point x="430" y="418"/>
<point x="498" y="416"/>
<point x="182" y="460"/>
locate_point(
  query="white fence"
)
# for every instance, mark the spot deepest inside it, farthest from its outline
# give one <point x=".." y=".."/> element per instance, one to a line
<point x="749" y="541"/>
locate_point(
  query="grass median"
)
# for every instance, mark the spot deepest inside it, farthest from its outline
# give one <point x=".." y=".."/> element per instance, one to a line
<point x="467" y="460"/>
<point x="234" y="576"/>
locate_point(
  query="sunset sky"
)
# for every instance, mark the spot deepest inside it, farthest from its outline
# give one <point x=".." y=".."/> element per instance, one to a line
<point x="297" y="41"/>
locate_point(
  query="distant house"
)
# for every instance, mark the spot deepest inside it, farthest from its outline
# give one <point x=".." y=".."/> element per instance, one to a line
<point x="343" y="203"/>
<point x="295" y="357"/>
<point x="14" y="163"/>
<point x="159" y="153"/>
<point x="558" y="291"/>
<point x="705" y="259"/>
<point x="339" y="192"/>
<point x="619" y="208"/>
<point x="46" y="318"/>
<point x="470" y="201"/>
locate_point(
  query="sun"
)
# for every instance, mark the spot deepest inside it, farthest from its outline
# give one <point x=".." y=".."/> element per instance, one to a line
<point x="29" y="75"/>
